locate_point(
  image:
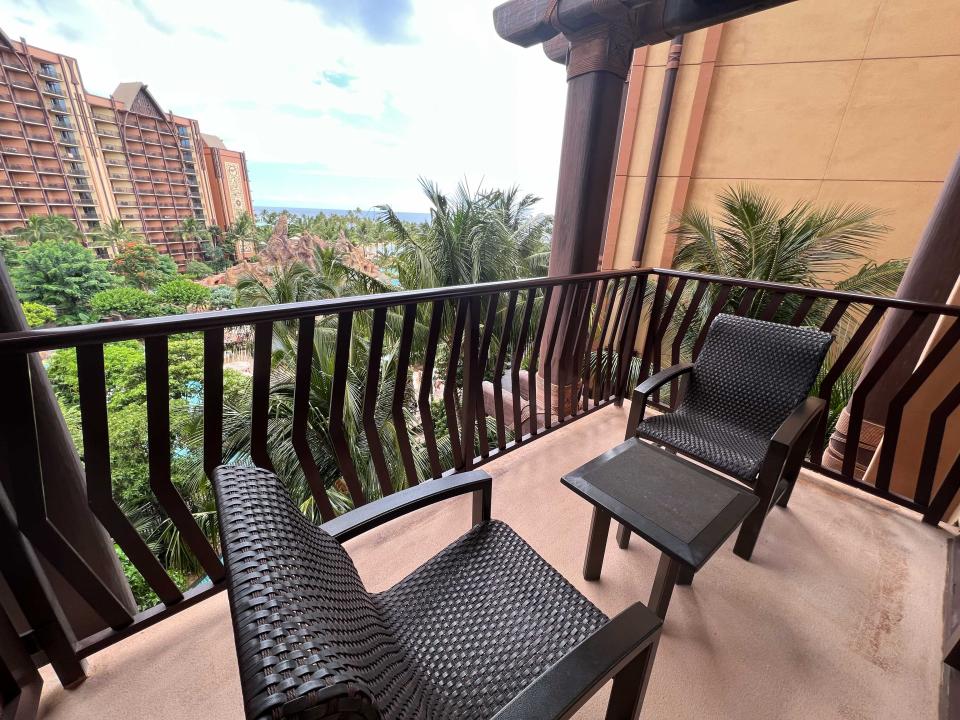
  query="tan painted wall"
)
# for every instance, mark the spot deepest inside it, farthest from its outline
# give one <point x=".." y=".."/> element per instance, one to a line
<point x="817" y="100"/>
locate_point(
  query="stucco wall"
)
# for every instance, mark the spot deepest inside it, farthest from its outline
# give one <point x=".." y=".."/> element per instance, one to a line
<point x="856" y="102"/>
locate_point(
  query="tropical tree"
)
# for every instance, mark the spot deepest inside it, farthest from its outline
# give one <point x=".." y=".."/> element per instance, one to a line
<point x="114" y="235"/>
<point x="754" y="237"/>
<point x="62" y="274"/>
<point x="142" y="266"/>
<point x="193" y="234"/>
<point x="474" y="236"/>
<point x="46" y="227"/>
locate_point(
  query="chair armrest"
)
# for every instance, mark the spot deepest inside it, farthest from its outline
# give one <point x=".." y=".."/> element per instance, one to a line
<point x="638" y="402"/>
<point x="662" y="377"/>
<point x="564" y="687"/>
<point x="799" y="420"/>
<point x="366" y="517"/>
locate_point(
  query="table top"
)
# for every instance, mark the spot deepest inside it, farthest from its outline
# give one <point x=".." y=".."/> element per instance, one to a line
<point x="682" y="508"/>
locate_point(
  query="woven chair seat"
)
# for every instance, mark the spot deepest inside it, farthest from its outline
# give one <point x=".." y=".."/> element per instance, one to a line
<point x="733" y="450"/>
<point x="484" y="618"/>
<point x="458" y="638"/>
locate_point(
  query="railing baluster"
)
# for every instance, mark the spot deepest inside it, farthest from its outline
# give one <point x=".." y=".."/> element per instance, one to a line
<point x="370" y="395"/>
<point x="746" y="301"/>
<point x="773" y="304"/>
<point x="426" y="386"/>
<point x="534" y="362"/>
<point x="450" y="387"/>
<point x="505" y="335"/>
<point x="548" y="359"/>
<point x="588" y="387"/>
<point x="839" y="365"/>
<point x="471" y="378"/>
<point x="301" y="411"/>
<point x="945" y="495"/>
<point x="668" y="314"/>
<point x="898" y="403"/>
<point x="839" y="308"/>
<point x="630" y="339"/>
<point x="212" y="400"/>
<point x="603" y="356"/>
<point x="91" y="383"/>
<point x="934" y="444"/>
<point x="719" y="303"/>
<point x="260" y="404"/>
<point x="488" y="323"/>
<point x="338" y="432"/>
<point x="650" y="342"/>
<point x="519" y="351"/>
<point x="159" y="457"/>
<point x="584" y="338"/>
<point x="803" y="309"/>
<point x="867" y="383"/>
<point x="607" y="380"/>
<point x="399" y="393"/>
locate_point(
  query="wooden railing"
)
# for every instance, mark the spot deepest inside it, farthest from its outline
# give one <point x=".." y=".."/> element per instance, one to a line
<point x="589" y="336"/>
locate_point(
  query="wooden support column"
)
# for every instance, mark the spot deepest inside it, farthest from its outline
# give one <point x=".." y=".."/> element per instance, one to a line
<point x="598" y="61"/>
<point x="930" y="277"/>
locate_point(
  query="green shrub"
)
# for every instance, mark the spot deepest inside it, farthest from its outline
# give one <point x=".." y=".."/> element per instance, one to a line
<point x="196" y="270"/>
<point x="38" y="315"/>
<point x="223" y="297"/>
<point x="125" y="302"/>
<point x="184" y="294"/>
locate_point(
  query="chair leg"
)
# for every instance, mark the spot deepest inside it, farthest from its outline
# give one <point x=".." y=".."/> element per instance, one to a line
<point x="767" y="481"/>
<point x="630" y="686"/>
<point x="794" y="462"/>
<point x="623" y="536"/>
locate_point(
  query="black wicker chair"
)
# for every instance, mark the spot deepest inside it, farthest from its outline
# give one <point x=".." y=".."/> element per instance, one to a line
<point x="745" y="410"/>
<point x="484" y="629"/>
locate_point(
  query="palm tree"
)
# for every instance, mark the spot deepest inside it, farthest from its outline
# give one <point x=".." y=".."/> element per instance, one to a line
<point x="115" y="234"/>
<point x="475" y="236"/>
<point x="46" y="227"/>
<point x="193" y="234"/>
<point x="755" y="238"/>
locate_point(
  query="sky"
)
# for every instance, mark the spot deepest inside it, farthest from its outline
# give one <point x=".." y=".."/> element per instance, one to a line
<point x="337" y="103"/>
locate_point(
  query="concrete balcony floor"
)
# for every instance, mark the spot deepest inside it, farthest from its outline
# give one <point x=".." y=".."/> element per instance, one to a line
<point x="839" y="615"/>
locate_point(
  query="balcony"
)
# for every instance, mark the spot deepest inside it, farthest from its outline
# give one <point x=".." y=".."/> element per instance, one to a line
<point x="839" y="614"/>
<point x="48" y="71"/>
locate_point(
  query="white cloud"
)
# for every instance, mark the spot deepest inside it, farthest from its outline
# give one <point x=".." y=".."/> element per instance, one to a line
<point x="455" y="101"/>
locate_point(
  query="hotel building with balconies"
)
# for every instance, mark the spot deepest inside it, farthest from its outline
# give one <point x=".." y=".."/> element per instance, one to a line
<point x="64" y="151"/>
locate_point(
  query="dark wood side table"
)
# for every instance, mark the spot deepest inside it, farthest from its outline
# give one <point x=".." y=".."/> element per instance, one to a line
<point x="682" y="509"/>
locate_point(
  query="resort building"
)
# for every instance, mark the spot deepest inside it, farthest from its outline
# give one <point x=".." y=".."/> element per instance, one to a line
<point x="802" y="102"/>
<point x="92" y="159"/>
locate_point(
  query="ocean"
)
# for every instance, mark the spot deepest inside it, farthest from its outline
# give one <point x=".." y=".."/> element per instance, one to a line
<point x="414" y="217"/>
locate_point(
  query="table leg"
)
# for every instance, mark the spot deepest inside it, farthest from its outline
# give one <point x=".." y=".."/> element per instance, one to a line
<point x="596" y="544"/>
<point x="686" y="575"/>
<point x="623" y="536"/>
<point x="668" y="570"/>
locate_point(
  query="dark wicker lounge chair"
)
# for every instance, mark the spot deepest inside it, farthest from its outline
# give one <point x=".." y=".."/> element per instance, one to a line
<point x="485" y="629"/>
<point x="745" y="410"/>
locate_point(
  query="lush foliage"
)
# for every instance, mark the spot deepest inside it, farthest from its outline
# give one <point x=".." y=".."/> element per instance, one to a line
<point x="62" y="274"/>
<point x="197" y="270"/>
<point x="46" y="227"/>
<point x="473" y="236"/>
<point x="141" y="266"/>
<point x="38" y="315"/>
<point x="125" y="303"/>
<point x="184" y="294"/>
<point x="114" y="235"/>
<point x="223" y="297"/>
